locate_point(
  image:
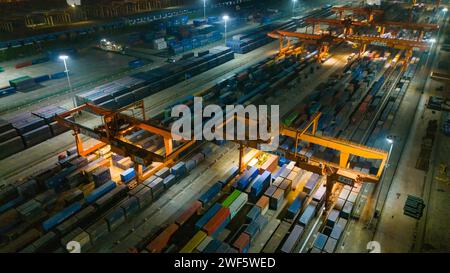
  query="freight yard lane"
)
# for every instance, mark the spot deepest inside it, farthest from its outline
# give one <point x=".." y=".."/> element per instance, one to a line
<point x="395" y="231"/>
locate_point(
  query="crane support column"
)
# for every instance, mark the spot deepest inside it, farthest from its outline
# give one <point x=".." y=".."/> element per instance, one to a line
<point x="343" y="159"/>
<point x="241" y="156"/>
<point x="138" y="172"/>
<point x="328" y="192"/>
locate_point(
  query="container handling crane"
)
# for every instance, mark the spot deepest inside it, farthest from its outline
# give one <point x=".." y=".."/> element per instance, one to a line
<point x="116" y="123"/>
<point x="369" y="12"/>
<point x="324" y="41"/>
<point x="348" y="25"/>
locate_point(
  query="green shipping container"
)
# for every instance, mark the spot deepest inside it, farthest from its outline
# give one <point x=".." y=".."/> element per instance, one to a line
<point x="231" y="198"/>
<point x="17" y="80"/>
<point x="290" y="119"/>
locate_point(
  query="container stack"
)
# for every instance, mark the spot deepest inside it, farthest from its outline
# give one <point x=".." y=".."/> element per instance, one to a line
<point x="127" y="90"/>
<point x="10" y="140"/>
<point x="159" y="44"/>
<point x="413" y="207"/>
<point x="23" y="83"/>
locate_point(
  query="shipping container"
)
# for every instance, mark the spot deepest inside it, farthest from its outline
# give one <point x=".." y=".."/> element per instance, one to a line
<point x="296" y="205"/>
<point x="115" y="218"/>
<point x="277" y="199"/>
<point x="210" y="194"/>
<point x="242" y="243"/>
<point x="307" y="214"/>
<point x="158" y="244"/>
<point x="263" y="203"/>
<point x="253" y="214"/>
<point x="292" y="239"/>
<point x="320" y="241"/>
<point x="204" y="243"/>
<point x="100" y="191"/>
<point x="237" y="204"/>
<point x="246" y="178"/>
<point x="332" y="217"/>
<point x="230" y="199"/>
<point x="212" y="246"/>
<point x="194" y="242"/>
<point x="61" y="216"/>
<point x="188" y="213"/>
<point x="207" y="216"/>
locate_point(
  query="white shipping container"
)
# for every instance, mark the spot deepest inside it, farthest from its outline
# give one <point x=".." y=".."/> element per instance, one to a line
<point x="204" y="243"/>
<point x="238" y="203"/>
<point x="291" y="165"/>
<point x="160" y="45"/>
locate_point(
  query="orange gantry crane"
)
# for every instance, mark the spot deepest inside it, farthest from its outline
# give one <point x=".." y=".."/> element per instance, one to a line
<point x="115" y="124"/>
<point x="348" y="25"/>
<point x="324" y="41"/>
<point x="369" y="12"/>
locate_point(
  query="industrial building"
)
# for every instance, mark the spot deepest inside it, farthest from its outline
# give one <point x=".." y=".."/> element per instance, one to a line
<point x="337" y="140"/>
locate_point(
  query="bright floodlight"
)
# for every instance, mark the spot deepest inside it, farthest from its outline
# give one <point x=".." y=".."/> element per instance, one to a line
<point x="432" y="40"/>
<point x="389" y="140"/>
<point x="63" y="57"/>
<point x="226" y="17"/>
<point x="445" y="9"/>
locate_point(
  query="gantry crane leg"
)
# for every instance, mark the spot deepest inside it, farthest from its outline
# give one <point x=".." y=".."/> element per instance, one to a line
<point x="241" y="156"/>
<point x="80" y="149"/>
<point x="328" y="192"/>
<point x="362" y="49"/>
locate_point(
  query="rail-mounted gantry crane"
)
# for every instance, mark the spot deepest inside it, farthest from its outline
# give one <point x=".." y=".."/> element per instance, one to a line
<point x="349" y="25"/>
<point x="115" y="124"/>
<point x="325" y="40"/>
<point x="370" y="12"/>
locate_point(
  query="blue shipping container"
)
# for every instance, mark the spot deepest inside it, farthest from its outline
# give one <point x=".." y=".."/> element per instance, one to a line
<point x="207" y="216"/>
<point x="100" y="191"/>
<point x="246" y="178"/>
<point x="61" y="216"/>
<point x="210" y="193"/>
<point x="127" y="175"/>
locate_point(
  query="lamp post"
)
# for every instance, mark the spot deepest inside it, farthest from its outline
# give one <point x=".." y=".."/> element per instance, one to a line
<point x="225" y="20"/>
<point x="204" y="9"/>
<point x="64" y="59"/>
<point x="390" y="140"/>
<point x="293" y="7"/>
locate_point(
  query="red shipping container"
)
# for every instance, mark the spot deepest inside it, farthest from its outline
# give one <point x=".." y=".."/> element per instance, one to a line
<point x="188" y="213"/>
<point x="161" y="241"/>
<point x="242" y="242"/>
<point x="216" y="221"/>
<point x="24" y="64"/>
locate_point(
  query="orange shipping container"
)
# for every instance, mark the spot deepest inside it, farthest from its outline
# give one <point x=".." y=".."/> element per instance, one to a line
<point x="188" y="213"/>
<point x="161" y="241"/>
<point x="263" y="203"/>
<point x="270" y="164"/>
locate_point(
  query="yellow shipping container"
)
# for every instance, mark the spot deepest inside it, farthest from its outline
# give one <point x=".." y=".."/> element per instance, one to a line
<point x="194" y="242"/>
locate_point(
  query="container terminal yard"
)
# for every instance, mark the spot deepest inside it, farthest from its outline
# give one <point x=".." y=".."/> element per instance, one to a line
<point x="90" y="161"/>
